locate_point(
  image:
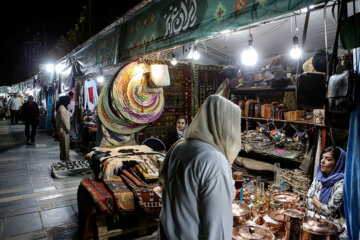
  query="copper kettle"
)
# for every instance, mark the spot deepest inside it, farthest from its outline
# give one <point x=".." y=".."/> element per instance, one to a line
<point x="241" y="213"/>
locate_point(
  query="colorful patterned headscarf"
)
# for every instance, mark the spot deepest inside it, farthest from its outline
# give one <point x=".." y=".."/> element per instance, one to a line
<point x="336" y="175"/>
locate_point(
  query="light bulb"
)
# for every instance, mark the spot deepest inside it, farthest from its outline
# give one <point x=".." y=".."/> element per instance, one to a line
<point x="50" y="67"/>
<point x="173" y="60"/>
<point x="249" y="56"/>
<point x="196" y="54"/>
<point x="295" y="52"/>
<point x="191" y="54"/>
<point x="100" y="79"/>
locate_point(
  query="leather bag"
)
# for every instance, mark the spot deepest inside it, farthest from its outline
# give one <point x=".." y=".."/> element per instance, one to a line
<point x="342" y="92"/>
<point x="350" y="30"/>
<point x="247" y="106"/>
<point x="311" y="90"/>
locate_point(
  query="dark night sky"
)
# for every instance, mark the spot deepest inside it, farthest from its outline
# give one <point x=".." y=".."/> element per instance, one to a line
<point x="25" y="21"/>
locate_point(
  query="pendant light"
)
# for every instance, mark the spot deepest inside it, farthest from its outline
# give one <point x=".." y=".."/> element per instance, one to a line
<point x="249" y="55"/>
<point x="295" y="51"/>
<point x="173" y="60"/>
<point x="196" y="54"/>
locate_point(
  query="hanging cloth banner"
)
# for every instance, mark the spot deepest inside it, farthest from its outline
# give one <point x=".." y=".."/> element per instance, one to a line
<point x="49" y="111"/>
<point x="166" y="24"/>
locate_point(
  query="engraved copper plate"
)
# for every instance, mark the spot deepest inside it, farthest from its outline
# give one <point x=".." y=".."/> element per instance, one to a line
<point x="285" y="197"/>
<point x="247" y="232"/>
<point x="277" y="214"/>
<point x="320" y="227"/>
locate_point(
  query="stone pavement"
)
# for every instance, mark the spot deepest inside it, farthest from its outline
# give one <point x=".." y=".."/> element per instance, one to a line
<point x="33" y="205"/>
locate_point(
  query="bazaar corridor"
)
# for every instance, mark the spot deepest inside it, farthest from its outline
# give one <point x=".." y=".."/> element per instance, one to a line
<point x="33" y="205"/>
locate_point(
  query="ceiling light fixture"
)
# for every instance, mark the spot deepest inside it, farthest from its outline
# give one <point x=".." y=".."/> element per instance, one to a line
<point x="295" y="51"/>
<point x="173" y="60"/>
<point x="249" y="56"/>
<point x="196" y="54"/>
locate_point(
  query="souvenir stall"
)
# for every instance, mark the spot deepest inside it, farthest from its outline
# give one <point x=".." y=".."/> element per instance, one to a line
<point x="162" y="62"/>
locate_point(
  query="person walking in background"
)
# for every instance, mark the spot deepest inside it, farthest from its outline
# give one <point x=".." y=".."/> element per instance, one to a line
<point x="14" y="105"/>
<point x="7" y="110"/>
<point x="2" y="110"/>
<point x="30" y="115"/>
<point x="63" y="127"/>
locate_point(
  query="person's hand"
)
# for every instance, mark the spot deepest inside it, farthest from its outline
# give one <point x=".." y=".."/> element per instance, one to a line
<point x="316" y="202"/>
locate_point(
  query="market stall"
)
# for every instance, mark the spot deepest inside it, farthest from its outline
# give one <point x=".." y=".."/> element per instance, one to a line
<point x="198" y="44"/>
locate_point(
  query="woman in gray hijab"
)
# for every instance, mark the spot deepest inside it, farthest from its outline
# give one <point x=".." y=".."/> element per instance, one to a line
<point x="196" y="175"/>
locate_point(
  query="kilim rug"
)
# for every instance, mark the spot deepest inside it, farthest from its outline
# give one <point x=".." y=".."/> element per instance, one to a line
<point x="101" y="196"/>
<point x="124" y="197"/>
<point x="145" y="197"/>
<point x="142" y="172"/>
<point x="138" y="182"/>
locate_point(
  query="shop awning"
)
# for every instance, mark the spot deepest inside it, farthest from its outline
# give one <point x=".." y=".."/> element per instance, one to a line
<point x="166" y="24"/>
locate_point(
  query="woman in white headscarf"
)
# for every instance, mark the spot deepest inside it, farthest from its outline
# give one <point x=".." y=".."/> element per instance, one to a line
<point x="196" y="175"/>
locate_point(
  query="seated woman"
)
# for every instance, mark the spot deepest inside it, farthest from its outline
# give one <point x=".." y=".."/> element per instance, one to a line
<point x="326" y="192"/>
<point x="181" y="127"/>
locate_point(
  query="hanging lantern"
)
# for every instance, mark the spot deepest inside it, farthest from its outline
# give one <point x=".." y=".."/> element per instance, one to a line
<point x="159" y="75"/>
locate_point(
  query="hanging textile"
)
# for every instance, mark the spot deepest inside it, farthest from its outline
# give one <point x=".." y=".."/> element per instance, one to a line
<point x="49" y="110"/>
<point x="91" y="95"/>
<point x="352" y="177"/>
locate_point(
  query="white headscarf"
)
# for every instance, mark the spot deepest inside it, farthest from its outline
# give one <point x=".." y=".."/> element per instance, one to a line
<point x="218" y="122"/>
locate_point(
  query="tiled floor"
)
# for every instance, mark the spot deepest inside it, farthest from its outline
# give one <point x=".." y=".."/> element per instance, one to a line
<point x="33" y="205"/>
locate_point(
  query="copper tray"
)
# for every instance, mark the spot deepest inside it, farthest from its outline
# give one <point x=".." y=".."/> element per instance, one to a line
<point x="285" y="197"/>
<point x="247" y="232"/>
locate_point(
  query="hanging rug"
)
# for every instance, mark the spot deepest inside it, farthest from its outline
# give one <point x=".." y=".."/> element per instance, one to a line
<point x="112" y="121"/>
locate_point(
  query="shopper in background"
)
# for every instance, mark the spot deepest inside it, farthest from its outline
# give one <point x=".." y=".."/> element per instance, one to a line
<point x="2" y="109"/>
<point x="198" y="188"/>
<point x="30" y="111"/>
<point x="179" y="132"/>
<point x="15" y="105"/>
<point x="63" y="127"/>
<point x="7" y="110"/>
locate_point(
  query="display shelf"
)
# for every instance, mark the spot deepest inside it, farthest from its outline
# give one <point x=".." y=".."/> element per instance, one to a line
<point x="282" y="120"/>
<point x="262" y="89"/>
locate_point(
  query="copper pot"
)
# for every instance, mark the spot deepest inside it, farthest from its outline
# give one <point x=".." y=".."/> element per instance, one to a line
<point x="293" y="220"/>
<point x="241" y="213"/>
<point x="319" y="229"/>
<point x="247" y="232"/>
<point x="276" y="223"/>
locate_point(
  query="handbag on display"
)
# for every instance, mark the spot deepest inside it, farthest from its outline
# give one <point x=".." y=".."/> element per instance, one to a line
<point x="247" y="107"/>
<point x="342" y="92"/>
<point x="350" y="30"/>
<point x="310" y="86"/>
<point x="343" y="88"/>
<point x="311" y="90"/>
